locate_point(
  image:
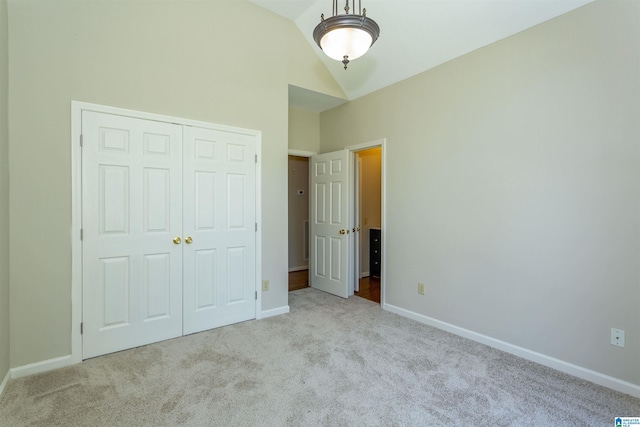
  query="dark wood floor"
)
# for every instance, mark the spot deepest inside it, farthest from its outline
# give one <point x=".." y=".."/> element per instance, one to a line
<point x="298" y="280"/>
<point x="370" y="289"/>
<point x="369" y="286"/>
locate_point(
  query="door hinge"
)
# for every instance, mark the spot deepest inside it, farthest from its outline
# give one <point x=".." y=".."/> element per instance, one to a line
<point x="256" y="158"/>
<point x="81" y="233"/>
<point x="256" y="226"/>
<point x="81" y="328"/>
<point x="81" y="140"/>
<point x="256" y="294"/>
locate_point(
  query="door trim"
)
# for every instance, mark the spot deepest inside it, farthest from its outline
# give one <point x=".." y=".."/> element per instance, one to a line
<point x="307" y="155"/>
<point x="76" y="203"/>
<point x="354" y="149"/>
<point x="301" y="153"/>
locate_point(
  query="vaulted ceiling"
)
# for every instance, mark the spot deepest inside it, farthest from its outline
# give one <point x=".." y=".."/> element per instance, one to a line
<point x="417" y="35"/>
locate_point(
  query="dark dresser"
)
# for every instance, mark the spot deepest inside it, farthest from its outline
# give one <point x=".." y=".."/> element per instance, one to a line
<point x="375" y="251"/>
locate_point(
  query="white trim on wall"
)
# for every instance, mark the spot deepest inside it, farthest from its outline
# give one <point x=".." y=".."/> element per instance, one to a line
<point x="275" y="312"/>
<point x="76" y="207"/>
<point x="259" y="226"/>
<point x="551" y="362"/>
<point x="301" y="153"/>
<point x="5" y="381"/>
<point x="76" y="225"/>
<point x="299" y="268"/>
<point x="43" y="366"/>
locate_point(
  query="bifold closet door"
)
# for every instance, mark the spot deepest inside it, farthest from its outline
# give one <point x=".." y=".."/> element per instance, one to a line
<point x="219" y="223"/>
<point x="132" y="212"/>
<point x="169" y="230"/>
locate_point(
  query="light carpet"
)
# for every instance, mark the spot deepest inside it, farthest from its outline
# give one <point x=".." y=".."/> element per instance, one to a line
<point x="330" y="362"/>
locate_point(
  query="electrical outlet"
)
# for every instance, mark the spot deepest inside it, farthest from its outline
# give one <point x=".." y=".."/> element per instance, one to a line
<point x="421" y="288"/>
<point x="265" y="285"/>
<point x="617" y="337"/>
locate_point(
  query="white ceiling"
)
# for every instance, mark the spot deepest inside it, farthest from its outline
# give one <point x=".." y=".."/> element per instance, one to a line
<point x="416" y="35"/>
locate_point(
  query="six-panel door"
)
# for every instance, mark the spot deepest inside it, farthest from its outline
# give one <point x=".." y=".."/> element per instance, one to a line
<point x="168" y="231"/>
<point x="132" y="270"/>
<point x="219" y="205"/>
<point x="329" y="222"/>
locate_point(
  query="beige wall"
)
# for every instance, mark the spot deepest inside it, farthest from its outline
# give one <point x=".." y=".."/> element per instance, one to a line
<point x="4" y="195"/>
<point x="298" y="210"/>
<point x="370" y="201"/>
<point x="187" y="59"/>
<point x="304" y="130"/>
<point x="513" y="176"/>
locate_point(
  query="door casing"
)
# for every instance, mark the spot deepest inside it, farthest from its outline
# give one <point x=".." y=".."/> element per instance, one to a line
<point x="353" y="254"/>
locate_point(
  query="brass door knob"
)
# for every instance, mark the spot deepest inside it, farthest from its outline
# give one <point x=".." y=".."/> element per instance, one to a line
<point x="343" y="231"/>
<point x="188" y="240"/>
<point x="177" y="240"/>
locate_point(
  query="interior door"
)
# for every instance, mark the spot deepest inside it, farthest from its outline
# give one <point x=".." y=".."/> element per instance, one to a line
<point x="132" y="269"/>
<point x="330" y="222"/>
<point x="219" y="228"/>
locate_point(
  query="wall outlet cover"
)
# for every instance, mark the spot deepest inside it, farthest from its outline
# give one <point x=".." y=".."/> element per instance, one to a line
<point x="617" y="337"/>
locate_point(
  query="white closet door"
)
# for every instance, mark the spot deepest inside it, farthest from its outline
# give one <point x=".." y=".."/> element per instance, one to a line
<point x="132" y="270"/>
<point x="219" y="222"/>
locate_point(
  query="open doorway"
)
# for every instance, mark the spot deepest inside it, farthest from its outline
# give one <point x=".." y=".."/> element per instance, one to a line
<point x="298" y="211"/>
<point x="339" y="240"/>
<point x="368" y="219"/>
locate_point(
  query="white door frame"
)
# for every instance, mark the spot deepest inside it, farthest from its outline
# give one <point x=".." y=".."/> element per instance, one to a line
<point x="307" y="155"/>
<point x="353" y="272"/>
<point x="76" y="203"/>
<point x="357" y="235"/>
<point x="301" y="153"/>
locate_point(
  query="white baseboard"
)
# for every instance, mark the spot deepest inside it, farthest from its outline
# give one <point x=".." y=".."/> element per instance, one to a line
<point x="274" y="312"/>
<point x="38" y="367"/>
<point x="4" y="382"/>
<point x="365" y="274"/>
<point x="300" y="268"/>
<point x="560" y="365"/>
<point x="61" y="362"/>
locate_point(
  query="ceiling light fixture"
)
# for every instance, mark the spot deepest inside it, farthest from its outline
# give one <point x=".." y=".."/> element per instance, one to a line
<point x="346" y="37"/>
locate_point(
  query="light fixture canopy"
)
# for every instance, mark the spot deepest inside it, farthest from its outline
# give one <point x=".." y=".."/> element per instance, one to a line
<point x="346" y="37"/>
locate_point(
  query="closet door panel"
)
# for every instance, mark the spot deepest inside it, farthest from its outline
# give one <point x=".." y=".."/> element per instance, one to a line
<point x="220" y="215"/>
<point x="132" y="270"/>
